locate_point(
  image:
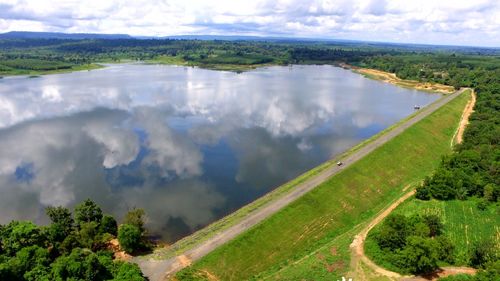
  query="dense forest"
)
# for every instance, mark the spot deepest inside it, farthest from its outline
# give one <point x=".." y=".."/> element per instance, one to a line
<point x="74" y="246"/>
<point x="20" y="56"/>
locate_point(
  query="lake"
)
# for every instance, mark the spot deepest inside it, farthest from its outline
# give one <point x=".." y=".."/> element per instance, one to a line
<point x="186" y="144"/>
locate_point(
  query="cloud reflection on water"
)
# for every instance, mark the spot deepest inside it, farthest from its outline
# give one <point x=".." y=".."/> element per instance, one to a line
<point x="188" y="145"/>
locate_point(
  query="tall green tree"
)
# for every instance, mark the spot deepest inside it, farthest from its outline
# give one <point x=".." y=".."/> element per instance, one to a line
<point x="20" y="234"/>
<point x="421" y="255"/>
<point x="88" y="211"/>
<point x="135" y="217"/>
<point x="130" y="238"/>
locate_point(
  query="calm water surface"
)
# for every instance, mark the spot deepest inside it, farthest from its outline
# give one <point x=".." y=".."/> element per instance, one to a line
<point x="188" y="145"/>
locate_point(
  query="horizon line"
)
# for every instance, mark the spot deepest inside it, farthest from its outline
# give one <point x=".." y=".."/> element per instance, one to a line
<point x="242" y="37"/>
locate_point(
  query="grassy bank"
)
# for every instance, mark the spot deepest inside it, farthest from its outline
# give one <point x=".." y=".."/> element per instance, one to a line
<point x="464" y="225"/>
<point x="325" y="219"/>
<point x="20" y="71"/>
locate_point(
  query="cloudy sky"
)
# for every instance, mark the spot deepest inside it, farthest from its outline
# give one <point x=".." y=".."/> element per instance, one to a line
<point x="460" y="22"/>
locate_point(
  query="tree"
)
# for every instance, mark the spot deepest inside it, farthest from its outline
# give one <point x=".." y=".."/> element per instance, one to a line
<point x="128" y="272"/>
<point x="61" y="216"/>
<point x="483" y="252"/>
<point x="18" y="235"/>
<point x="420" y="255"/>
<point x="62" y="224"/>
<point x="491" y="192"/>
<point x="81" y="264"/>
<point x="393" y="232"/>
<point x="423" y="193"/>
<point x="446" y="249"/>
<point x="135" y="217"/>
<point x="88" y="211"/>
<point x="71" y="242"/>
<point x="130" y="238"/>
<point x="434" y="223"/>
<point x="88" y="233"/>
<point x="421" y="229"/>
<point x="108" y="225"/>
<point x="27" y="259"/>
<point x="491" y="272"/>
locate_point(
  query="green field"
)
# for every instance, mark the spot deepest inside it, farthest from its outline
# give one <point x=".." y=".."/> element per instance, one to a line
<point x="463" y="223"/>
<point x="285" y="245"/>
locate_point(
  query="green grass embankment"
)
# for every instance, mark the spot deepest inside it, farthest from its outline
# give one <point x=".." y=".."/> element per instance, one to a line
<point x="310" y="237"/>
<point x="464" y="225"/>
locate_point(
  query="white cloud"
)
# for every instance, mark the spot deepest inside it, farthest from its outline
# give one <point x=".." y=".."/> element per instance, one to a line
<point x="428" y="21"/>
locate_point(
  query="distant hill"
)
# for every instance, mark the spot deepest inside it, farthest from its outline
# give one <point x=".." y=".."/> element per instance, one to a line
<point x="57" y="35"/>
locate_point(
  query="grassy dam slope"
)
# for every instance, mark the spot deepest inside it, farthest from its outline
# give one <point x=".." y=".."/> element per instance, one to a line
<point x="309" y="239"/>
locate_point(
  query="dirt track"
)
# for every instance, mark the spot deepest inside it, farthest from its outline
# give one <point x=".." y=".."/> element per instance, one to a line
<point x="157" y="270"/>
<point x="357" y="246"/>
<point x="358" y="254"/>
<point x="469" y="108"/>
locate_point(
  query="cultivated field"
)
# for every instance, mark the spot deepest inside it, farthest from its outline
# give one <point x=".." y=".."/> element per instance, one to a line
<point x="463" y="222"/>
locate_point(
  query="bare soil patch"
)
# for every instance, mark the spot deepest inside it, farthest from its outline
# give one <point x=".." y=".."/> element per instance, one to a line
<point x="393" y="79"/>
<point x="464" y="121"/>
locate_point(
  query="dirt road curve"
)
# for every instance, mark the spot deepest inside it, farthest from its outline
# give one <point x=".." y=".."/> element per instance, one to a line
<point x="357" y="246"/>
<point x="159" y="270"/>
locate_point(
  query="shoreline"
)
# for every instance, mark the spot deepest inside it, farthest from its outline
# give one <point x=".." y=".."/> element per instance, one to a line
<point x="36" y="73"/>
<point x="391" y="78"/>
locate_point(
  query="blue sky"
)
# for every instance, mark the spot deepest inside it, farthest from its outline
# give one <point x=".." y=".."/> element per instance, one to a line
<point x="457" y="22"/>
